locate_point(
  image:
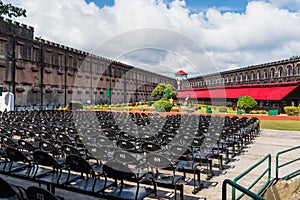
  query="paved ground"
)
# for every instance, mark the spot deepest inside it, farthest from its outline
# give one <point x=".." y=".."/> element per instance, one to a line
<point x="269" y="141"/>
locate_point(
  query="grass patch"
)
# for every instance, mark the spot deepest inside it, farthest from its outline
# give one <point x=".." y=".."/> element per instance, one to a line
<point x="289" y="125"/>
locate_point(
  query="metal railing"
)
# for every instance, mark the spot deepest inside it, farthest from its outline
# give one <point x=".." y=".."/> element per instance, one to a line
<point x="268" y="170"/>
<point x="240" y="188"/>
<point x="247" y="191"/>
<point x="278" y="166"/>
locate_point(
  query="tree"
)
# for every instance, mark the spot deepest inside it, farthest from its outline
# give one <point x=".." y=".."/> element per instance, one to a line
<point x="164" y="91"/>
<point x="246" y="103"/>
<point x="11" y="11"/>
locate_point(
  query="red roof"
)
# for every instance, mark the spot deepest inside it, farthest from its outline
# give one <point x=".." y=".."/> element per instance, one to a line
<point x="181" y="72"/>
<point x="257" y="91"/>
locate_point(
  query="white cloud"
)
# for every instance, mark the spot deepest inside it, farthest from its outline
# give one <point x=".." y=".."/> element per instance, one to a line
<point x="210" y="40"/>
<point x="289" y="4"/>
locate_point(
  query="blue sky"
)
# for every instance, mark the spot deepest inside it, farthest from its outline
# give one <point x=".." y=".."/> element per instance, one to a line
<point x="198" y="36"/>
<point x="195" y="5"/>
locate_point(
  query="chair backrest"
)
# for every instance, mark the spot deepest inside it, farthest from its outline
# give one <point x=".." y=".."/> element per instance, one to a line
<point x="62" y="138"/>
<point x="44" y="135"/>
<point x="79" y="164"/>
<point x="118" y="171"/>
<point x="124" y="157"/>
<point x="197" y="142"/>
<point x="48" y="147"/>
<point x="127" y="136"/>
<point x="69" y="149"/>
<point x="15" y="155"/>
<point x="37" y="193"/>
<point x="43" y="158"/>
<point x="179" y="150"/>
<point x="6" y="190"/>
<point x="99" y="153"/>
<point x="150" y="147"/>
<point x="125" y="144"/>
<point x="158" y="161"/>
<point x="8" y="142"/>
<point x="103" y="141"/>
<point x="27" y="146"/>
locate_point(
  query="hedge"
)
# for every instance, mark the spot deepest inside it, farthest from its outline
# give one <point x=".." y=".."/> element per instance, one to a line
<point x="291" y="110"/>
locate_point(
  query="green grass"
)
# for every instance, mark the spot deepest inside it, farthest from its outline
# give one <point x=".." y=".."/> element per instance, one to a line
<point x="289" y="125"/>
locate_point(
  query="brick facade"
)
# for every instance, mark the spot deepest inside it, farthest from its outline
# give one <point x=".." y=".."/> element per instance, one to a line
<point x="41" y="72"/>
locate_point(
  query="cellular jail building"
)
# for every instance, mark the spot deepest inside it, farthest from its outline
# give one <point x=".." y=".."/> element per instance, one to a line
<point x="43" y="73"/>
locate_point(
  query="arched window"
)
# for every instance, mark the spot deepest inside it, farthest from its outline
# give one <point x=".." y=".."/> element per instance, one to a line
<point x="246" y="77"/>
<point x="298" y="69"/>
<point x="265" y="74"/>
<point x="280" y="72"/>
<point x="236" y="78"/>
<point x="252" y="76"/>
<point x="272" y="73"/>
<point x="289" y="71"/>
<point x="241" y="77"/>
<point x="258" y="75"/>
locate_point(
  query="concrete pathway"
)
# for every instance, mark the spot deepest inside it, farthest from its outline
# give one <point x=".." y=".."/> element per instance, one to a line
<point x="268" y="142"/>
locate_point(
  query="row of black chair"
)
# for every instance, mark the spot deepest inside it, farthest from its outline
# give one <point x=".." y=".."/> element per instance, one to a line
<point x="16" y="192"/>
<point x="187" y="141"/>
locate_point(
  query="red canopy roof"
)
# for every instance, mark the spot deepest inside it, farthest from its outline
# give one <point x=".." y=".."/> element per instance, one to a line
<point x="181" y="72"/>
<point x="257" y="91"/>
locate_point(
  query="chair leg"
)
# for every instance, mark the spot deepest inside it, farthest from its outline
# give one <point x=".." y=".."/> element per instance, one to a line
<point x="227" y="156"/>
<point x="209" y="170"/>
<point x="197" y="183"/>
<point x="181" y="192"/>
<point x="221" y="167"/>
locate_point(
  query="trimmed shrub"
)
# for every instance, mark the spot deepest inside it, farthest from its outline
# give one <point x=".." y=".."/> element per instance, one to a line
<point x="291" y="110"/>
<point x="222" y="109"/>
<point x="163" y="104"/>
<point x="258" y="112"/>
<point x="175" y="109"/>
<point x="246" y="103"/>
<point x="263" y="112"/>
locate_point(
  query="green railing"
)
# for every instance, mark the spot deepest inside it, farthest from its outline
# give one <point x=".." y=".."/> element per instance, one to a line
<point x="286" y="163"/>
<point x="240" y="188"/>
<point x="268" y="170"/>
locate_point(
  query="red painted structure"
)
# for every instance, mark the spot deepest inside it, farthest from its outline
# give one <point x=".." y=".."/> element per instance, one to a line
<point x="270" y="91"/>
<point x="181" y="72"/>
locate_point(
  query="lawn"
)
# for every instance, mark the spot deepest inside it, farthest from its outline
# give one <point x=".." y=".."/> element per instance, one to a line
<point x="290" y="125"/>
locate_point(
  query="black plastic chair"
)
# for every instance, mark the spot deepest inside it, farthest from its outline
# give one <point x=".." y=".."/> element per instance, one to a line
<point x="202" y="155"/>
<point x="37" y="193"/>
<point x="67" y="150"/>
<point x="132" y="160"/>
<point x="184" y="160"/>
<point x="56" y="177"/>
<point x="8" y="142"/>
<point x="62" y="139"/>
<point x="89" y="180"/>
<point x="18" y="163"/>
<point x="130" y="146"/>
<point x="120" y="172"/>
<point x="157" y="163"/>
<point x="12" y="192"/>
<point x="51" y="148"/>
<point x="150" y="147"/>
<point x="27" y="147"/>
